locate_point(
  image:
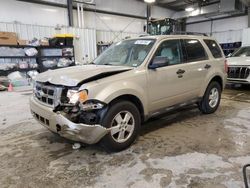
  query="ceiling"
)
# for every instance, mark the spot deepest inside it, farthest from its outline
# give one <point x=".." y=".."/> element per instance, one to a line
<point x="180" y="5"/>
<point x="246" y="2"/>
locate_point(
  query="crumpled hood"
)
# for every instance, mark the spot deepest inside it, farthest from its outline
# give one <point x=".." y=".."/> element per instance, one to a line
<point x="236" y="61"/>
<point x="72" y="76"/>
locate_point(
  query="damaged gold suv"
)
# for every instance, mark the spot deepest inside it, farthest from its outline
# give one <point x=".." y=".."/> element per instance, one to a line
<point x="132" y="81"/>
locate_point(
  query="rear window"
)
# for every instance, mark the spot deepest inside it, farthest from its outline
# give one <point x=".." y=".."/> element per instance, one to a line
<point x="214" y="48"/>
<point x="194" y="50"/>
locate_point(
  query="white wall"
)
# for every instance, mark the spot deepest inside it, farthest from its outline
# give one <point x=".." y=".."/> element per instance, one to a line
<point x="235" y="23"/>
<point x="113" y="23"/>
<point x="29" y="13"/>
<point x="225" y="30"/>
<point x="132" y="7"/>
<point x="231" y="24"/>
<point x="204" y="27"/>
<point x="246" y="37"/>
<point x="36" y="14"/>
<point x="35" y="20"/>
<point x="159" y="12"/>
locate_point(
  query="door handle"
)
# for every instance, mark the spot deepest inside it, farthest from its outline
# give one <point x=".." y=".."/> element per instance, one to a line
<point x="180" y="71"/>
<point x="207" y="66"/>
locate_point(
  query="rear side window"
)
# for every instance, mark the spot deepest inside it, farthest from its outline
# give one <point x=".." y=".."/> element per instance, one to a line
<point x="194" y="50"/>
<point x="214" y="48"/>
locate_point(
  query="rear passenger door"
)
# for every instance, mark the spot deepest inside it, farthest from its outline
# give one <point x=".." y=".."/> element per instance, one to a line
<point x="197" y="64"/>
<point x="216" y="52"/>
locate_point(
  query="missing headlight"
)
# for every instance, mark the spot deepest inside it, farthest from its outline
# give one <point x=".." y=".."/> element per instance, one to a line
<point x="92" y="105"/>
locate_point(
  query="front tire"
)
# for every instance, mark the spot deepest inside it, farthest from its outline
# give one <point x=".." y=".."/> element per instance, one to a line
<point x="211" y="99"/>
<point x="124" y="119"/>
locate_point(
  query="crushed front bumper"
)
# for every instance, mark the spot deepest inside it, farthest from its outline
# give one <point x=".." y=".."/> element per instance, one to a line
<point x="56" y="122"/>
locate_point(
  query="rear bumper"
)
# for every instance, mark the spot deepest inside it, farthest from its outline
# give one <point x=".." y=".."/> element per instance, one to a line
<point x="58" y="123"/>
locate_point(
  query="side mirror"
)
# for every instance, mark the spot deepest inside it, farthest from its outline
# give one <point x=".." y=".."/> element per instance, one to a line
<point x="159" y="62"/>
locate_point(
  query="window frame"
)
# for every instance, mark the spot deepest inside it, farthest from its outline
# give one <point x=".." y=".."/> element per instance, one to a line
<point x="236" y="51"/>
<point x="159" y="45"/>
<point x="217" y="45"/>
<point x="135" y="39"/>
<point x="184" y="49"/>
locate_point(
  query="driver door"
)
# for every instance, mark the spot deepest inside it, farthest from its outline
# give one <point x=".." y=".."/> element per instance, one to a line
<point x="167" y="84"/>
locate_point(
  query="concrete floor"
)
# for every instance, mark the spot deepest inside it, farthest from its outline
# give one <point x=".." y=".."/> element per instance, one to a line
<point x="183" y="149"/>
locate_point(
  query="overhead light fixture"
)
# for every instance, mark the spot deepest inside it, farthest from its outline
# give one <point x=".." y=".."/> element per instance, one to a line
<point x="195" y="12"/>
<point x="149" y="1"/>
<point x="189" y="9"/>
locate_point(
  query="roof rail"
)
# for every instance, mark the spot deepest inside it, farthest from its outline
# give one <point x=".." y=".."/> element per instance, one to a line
<point x="188" y="33"/>
<point x="144" y="35"/>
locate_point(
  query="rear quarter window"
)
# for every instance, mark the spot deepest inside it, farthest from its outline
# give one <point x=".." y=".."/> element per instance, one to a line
<point x="194" y="51"/>
<point x="214" y="48"/>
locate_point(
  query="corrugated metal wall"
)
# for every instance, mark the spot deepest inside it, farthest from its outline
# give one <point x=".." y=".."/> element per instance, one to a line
<point x="221" y="36"/>
<point x="85" y="42"/>
<point x="228" y="36"/>
<point x="246" y="37"/>
<point x="225" y="30"/>
<point x="108" y="36"/>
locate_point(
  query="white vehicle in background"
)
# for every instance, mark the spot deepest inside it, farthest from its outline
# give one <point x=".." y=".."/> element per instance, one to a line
<point x="239" y="66"/>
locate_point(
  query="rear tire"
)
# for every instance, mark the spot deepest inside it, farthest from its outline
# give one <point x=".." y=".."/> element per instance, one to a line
<point x="125" y="119"/>
<point x="211" y="99"/>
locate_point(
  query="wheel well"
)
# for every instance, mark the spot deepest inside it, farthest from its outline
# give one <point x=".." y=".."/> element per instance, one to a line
<point x="133" y="99"/>
<point x="217" y="79"/>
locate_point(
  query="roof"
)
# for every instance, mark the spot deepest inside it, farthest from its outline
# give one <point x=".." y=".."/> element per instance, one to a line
<point x="159" y="37"/>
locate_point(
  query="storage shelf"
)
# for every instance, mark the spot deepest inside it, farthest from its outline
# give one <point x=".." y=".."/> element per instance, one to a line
<point x="51" y="47"/>
<point x="32" y="57"/>
<point x="57" y="57"/>
<point x="39" y="58"/>
<point x="18" y="46"/>
<point x="29" y="46"/>
<point x="6" y="72"/>
<point x="18" y="57"/>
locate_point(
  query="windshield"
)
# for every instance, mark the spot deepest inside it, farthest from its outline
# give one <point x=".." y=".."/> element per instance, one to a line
<point x="130" y="53"/>
<point x="160" y="29"/>
<point x="242" y="52"/>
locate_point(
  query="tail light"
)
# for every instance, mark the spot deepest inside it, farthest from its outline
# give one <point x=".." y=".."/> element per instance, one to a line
<point x="226" y="66"/>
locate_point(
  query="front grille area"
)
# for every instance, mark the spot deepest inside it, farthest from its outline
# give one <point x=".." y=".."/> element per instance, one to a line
<point x="47" y="94"/>
<point x="41" y="119"/>
<point x="238" y="72"/>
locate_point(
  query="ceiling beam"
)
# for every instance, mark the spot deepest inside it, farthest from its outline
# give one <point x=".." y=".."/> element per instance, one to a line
<point x="174" y="5"/>
<point x="170" y="3"/>
<point x="182" y="7"/>
<point x="175" y="8"/>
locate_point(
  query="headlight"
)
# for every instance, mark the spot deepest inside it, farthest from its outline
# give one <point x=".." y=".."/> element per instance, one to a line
<point x="77" y="96"/>
<point x="92" y="105"/>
